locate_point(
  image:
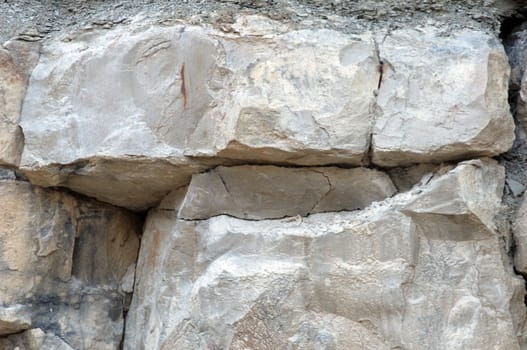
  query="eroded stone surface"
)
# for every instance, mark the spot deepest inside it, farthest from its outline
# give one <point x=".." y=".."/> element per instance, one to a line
<point x="14" y="319"/>
<point x="17" y="58"/>
<point x="421" y="270"/>
<point x="441" y="97"/>
<point x="131" y="113"/>
<point x="34" y="339"/>
<point x="520" y="238"/>
<point x="264" y="192"/>
<point x="65" y="258"/>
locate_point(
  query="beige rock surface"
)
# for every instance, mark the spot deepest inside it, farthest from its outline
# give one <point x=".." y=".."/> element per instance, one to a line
<point x="64" y="259"/>
<point x="288" y="159"/>
<point x="149" y="96"/>
<point x="421" y="270"/>
<point x="442" y="97"/>
<point x="17" y="59"/>
<point x="265" y="192"/>
<point x="14" y="319"/>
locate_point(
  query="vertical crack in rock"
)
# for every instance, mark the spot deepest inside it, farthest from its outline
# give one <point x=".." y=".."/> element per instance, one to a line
<point x="330" y="189"/>
<point x="513" y="33"/>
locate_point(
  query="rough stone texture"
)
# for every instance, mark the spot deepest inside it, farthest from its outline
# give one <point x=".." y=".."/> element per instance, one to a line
<point x="265" y="192"/>
<point x="268" y="112"/>
<point x="14" y="319"/>
<point x="441" y="98"/>
<point x="165" y="93"/>
<point x="16" y="61"/>
<point x="520" y="238"/>
<point x="407" y="177"/>
<point x="177" y="88"/>
<point x="136" y="183"/>
<point x="64" y="259"/>
<point x="421" y="270"/>
<point x="34" y="339"/>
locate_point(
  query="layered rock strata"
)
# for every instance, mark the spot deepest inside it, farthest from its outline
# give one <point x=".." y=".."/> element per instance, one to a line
<point x="306" y="183"/>
<point x="339" y="280"/>
<point x="183" y="98"/>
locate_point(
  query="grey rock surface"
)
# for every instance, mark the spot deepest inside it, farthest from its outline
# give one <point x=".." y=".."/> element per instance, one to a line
<point x="164" y="102"/>
<point x="266" y="192"/>
<point x="14" y="319"/>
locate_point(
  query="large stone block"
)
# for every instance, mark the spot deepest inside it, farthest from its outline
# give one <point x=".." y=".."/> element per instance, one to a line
<point x="64" y="259"/>
<point x="442" y="97"/>
<point x="175" y="100"/>
<point x="151" y="95"/>
<point x="387" y="274"/>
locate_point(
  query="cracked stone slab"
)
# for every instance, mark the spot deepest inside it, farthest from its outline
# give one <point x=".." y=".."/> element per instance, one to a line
<point x="442" y="97"/>
<point x="260" y="192"/>
<point x="423" y="269"/>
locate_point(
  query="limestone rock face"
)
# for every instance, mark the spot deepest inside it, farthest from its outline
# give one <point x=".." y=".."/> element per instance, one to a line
<point x="176" y="100"/>
<point x="441" y="98"/>
<point x="166" y="92"/>
<point x="421" y="270"/>
<point x="64" y="259"/>
<point x="16" y="61"/>
<point x="304" y="175"/>
<point x="264" y="192"/>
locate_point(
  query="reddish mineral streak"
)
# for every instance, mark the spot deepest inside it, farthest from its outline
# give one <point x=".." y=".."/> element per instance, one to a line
<point x="183" y="88"/>
<point x="381" y="73"/>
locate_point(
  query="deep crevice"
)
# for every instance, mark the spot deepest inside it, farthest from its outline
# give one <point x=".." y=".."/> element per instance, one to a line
<point x="513" y="32"/>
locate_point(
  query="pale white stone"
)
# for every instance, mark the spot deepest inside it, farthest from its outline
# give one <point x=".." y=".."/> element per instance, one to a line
<point x="421" y="270"/>
<point x="441" y="97"/>
<point x="113" y="114"/>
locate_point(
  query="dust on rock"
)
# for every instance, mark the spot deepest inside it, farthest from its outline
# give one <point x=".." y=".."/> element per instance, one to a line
<point x="34" y="20"/>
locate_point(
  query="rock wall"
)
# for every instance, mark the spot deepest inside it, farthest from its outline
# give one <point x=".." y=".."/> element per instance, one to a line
<point x="263" y="175"/>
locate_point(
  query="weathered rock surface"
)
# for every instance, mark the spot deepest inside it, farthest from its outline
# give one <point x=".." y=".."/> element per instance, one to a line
<point x="520" y="238"/>
<point x="421" y="270"/>
<point x="247" y="132"/>
<point x="166" y="92"/>
<point x="34" y="339"/>
<point x="14" y="319"/>
<point x="17" y="58"/>
<point x="153" y="96"/>
<point x="441" y="98"/>
<point x="64" y="259"/>
<point x="265" y="192"/>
